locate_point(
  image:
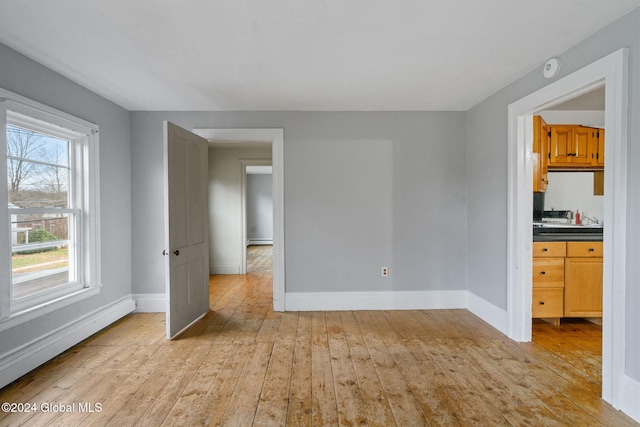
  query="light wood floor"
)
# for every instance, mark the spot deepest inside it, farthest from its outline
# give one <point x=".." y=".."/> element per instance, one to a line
<point x="245" y="365"/>
<point x="259" y="258"/>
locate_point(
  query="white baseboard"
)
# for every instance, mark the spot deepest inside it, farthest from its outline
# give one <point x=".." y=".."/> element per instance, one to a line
<point x="488" y="312"/>
<point x="399" y="300"/>
<point x="631" y="398"/>
<point x="150" y="303"/>
<point x="29" y="356"/>
<point x="225" y="269"/>
<point x="259" y="242"/>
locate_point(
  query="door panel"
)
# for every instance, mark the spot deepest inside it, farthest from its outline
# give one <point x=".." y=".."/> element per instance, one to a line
<point x="561" y="145"/>
<point x="186" y="228"/>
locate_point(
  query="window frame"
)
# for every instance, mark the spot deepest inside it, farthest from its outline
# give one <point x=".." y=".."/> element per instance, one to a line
<point x="83" y="207"/>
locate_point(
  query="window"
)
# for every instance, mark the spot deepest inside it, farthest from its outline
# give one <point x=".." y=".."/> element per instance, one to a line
<point x="49" y="231"/>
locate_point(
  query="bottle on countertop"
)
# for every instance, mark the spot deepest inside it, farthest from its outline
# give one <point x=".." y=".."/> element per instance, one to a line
<point x="578" y="220"/>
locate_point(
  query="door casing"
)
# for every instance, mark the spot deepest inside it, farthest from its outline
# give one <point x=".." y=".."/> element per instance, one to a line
<point x="610" y="71"/>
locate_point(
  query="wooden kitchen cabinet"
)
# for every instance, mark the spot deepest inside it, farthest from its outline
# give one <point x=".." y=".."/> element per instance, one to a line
<point x="540" y="154"/>
<point x="597" y="157"/>
<point x="574" y="147"/>
<point x="583" y="280"/>
<point x="548" y="280"/>
<point x="561" y="145"/>
<point x="566" y="280"/>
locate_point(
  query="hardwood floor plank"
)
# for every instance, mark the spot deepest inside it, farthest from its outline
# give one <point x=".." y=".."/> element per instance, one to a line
<point x="177" y="381"/>
<point x="214" y="405"/>
<point x="374" y="400"/>
<point x="299" y="412"/>
<point x="244" y="400"/>
<point x="350" y="407"/>
<point x="111" y="406"/>
<point x="323" y="397"/>
<point x="185" y="407"/>
<point x="431" y="371"/>
<point x="403" y="403"/>
<point x="274" y="400"/>
<point x="141" y="401"/>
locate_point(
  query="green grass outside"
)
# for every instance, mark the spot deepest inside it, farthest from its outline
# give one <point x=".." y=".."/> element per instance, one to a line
<point x="31" y="260"/>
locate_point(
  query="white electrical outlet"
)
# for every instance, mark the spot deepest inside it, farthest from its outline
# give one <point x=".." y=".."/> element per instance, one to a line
<point x="385" y="271"/>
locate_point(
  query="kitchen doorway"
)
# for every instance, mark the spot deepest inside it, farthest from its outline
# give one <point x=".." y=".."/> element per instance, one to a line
<point x="611" y="72"/>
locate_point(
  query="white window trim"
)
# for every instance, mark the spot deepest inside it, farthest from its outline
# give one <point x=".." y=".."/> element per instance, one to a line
<point x="89" y="274"/>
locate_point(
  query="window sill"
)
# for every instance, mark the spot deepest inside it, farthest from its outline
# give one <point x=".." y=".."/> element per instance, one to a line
<point x="48" y="307"/>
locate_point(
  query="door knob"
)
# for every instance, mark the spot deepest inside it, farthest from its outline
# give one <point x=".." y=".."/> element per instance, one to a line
<point x="176" y="252"/>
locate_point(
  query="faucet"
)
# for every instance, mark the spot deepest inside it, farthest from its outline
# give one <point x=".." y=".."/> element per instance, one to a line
<point x="592" y="220"/>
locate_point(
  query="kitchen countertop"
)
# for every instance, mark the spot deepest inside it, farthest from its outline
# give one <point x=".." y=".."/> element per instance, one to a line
<point x="548" y="232"/>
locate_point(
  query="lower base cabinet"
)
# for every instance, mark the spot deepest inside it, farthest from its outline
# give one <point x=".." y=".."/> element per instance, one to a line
<point x="583" y="287"/>
<point x="567" y="280"/>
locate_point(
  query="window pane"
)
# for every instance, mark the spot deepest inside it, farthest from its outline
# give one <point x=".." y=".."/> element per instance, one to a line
<point x="37" y="169"/>
<point x="42" y="254"/>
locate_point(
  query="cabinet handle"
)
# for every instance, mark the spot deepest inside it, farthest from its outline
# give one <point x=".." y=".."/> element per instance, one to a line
<point x="591" y="250"/>
<point x="544" y="249"/>
<point x="543" y="272"/>
<point x="541" y="302"/>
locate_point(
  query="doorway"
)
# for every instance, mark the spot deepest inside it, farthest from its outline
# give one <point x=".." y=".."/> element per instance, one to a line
<point x="257" y="216"/>
<point x="610" y="71"/>
<point x="274" y="137"/>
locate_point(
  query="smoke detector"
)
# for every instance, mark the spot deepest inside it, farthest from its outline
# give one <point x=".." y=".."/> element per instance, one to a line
<point x="551" y="68"/>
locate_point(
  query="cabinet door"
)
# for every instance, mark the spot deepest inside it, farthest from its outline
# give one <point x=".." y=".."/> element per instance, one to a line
<point x="540" y="154"/>
<point x="544" y="153"/>
<point x="597" y="158"/>
<point x="561" y="145"/>
<point x="583" y="287"/>
<point x="583" y="139"/>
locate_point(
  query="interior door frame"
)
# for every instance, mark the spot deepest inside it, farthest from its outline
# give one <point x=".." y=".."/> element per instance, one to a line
<point x="610" y="71"/>
<point x="276" y="138"/>
<point x="243" y="198"/>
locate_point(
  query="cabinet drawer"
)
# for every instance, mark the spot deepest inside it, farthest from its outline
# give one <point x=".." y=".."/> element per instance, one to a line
<point x="549" y="249"/>
<point x="584" y="249"/>
<point x="547" y="302"/>
<point x="548" y="272"/>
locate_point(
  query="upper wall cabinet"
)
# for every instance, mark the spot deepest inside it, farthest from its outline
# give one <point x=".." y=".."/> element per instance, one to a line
<point x="575" y="147"/>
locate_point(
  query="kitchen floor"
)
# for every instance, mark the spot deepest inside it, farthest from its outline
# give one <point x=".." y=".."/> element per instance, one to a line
<point x="577" y="342"/>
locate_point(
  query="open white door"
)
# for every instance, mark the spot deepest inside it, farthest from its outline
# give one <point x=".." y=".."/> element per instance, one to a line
<point x="186" y="228"/>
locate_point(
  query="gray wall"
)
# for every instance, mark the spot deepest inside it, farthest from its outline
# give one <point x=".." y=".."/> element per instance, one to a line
<point x="487" y="174"/>
<point x="225" y="206"/>
<point x="27" y="78"/>
<point x="260" y="206"/>
<point x="362" y="190"/>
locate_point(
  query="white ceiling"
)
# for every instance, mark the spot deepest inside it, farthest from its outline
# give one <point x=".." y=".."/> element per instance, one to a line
<point x="299" y="54"/>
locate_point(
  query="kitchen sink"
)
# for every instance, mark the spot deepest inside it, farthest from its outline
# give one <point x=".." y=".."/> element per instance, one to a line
<point x="561" y="225"/>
